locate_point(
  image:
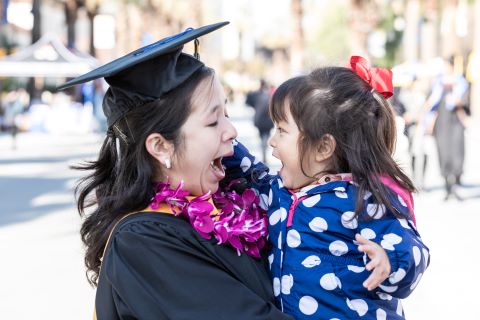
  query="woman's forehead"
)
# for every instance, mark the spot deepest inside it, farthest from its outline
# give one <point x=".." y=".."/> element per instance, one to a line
<point x="208" y="96"/>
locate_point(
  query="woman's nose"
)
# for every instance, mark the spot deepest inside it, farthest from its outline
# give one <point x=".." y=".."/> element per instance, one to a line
<point x="230" y="132"/>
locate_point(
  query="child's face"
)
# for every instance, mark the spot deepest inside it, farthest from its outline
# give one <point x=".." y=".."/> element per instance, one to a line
<point x="285" y="148"/>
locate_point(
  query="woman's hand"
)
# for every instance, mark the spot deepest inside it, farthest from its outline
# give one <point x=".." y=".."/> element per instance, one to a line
<point x="379" y="262"/>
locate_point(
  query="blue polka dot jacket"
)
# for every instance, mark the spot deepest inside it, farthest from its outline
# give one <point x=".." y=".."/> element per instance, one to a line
<point x="317" y="270"/>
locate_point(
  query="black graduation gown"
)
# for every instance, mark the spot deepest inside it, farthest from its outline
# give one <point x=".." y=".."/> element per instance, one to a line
<point x="449" y="134"/>
<point x="157" y="267"/>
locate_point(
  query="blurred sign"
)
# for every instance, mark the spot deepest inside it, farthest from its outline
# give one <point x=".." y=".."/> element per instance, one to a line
<point x="104" y="31"/>
<point x="48" y="57"/>
<point x="20" y="14"/>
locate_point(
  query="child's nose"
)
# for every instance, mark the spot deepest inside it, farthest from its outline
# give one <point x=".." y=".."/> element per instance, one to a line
<point x="271" y="141"/>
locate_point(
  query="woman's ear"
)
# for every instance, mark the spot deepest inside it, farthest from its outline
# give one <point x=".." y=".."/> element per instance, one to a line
<point x="160" y="148"/>
<point x="326" y="148"/>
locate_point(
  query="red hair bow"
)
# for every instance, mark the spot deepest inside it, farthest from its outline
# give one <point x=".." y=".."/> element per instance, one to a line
<point x="379" y="79"/>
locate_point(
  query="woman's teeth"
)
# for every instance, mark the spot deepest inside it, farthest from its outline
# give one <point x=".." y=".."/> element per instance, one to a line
<point x="214" y="166"/>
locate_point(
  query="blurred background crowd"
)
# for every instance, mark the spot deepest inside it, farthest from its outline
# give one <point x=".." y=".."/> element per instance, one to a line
<point x="432" y="47"/>
<point x="43" y="42"/>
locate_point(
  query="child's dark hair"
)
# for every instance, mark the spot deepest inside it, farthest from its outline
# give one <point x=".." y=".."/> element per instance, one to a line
<point x="336" y="101"/>
<point x="122" y="182"/>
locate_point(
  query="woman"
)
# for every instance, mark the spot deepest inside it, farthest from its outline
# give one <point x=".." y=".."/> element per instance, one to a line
<point x="168" y="132"/>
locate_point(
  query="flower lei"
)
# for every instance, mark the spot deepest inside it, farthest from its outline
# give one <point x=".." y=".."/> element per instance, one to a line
<point x="240" y="222"/>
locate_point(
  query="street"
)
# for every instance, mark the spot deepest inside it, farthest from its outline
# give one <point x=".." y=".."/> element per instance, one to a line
<point x="43" y="275"/>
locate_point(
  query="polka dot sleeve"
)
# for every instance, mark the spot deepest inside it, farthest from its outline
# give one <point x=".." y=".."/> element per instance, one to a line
<point x="244" y="165"/>
<point x="409" y="256"/>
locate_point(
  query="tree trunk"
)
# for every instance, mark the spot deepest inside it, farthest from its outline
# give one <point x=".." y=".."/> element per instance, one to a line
<point x="3" y="10"/>
<point x="297" y="48"/>
<point x="362" y="20"/>
<point x="71" y="18"/>
<point x="37" y="20"/>
<point x="450" y="43"/>
<point x="430" y="41"/>
<point x="411" y="34"/>
<point x="475" y="77"/>
<point x="91" y="13"/>
<point x="33" y="91"/>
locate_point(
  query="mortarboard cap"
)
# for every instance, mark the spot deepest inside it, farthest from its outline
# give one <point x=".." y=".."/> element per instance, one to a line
<point x="145" y="74"/>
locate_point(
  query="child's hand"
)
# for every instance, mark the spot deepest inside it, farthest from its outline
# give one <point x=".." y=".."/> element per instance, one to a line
<point x="379" y="262"/>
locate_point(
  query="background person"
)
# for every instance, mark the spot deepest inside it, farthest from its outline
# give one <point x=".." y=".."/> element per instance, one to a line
<point x="448" y="106"/>
<point x="260" y="100"/>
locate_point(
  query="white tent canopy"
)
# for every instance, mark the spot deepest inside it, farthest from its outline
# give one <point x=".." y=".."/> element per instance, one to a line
<point x="47" y="57"/>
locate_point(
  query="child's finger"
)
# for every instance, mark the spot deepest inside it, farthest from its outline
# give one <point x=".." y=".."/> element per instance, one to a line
<point x="377" y="276"/>
<point x="369" y="249"/>
<point x="365" y="247"/>
<point x="370" y="283"/>
<point x="372" y="264"/>
<point x="360" y="239"/>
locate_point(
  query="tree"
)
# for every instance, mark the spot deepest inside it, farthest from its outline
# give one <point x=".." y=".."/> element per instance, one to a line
<point x="71" y="14"/>
<point x="37" y="21"/>
<point x="363" y="19"/>
<point x="92" y="7"/>
<point x="297" y="48"/>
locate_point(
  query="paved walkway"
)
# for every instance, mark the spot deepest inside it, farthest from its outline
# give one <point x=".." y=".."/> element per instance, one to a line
<point x="42" y="263"/>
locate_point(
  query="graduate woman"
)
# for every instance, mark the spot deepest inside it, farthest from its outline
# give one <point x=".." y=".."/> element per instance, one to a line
<point x="162" y="242"/>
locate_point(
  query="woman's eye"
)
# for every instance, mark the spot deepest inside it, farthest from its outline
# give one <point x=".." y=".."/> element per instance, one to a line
<point x="213" y="124"/>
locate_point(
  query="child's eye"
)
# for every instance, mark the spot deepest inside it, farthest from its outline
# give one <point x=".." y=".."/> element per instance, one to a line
<point x="280" y="130"/>
<point x="213" y="124"/>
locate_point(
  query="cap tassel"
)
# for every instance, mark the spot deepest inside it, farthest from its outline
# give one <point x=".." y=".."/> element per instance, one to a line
<point x="117" y="148"/>
<point x="122" y="135"/>
<point x="196" y="44"/>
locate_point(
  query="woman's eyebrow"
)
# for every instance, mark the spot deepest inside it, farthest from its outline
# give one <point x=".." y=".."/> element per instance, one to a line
<point x="215" y="109"/>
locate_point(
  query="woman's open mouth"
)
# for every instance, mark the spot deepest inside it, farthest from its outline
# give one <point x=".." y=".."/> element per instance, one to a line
<point x="217" y="168"/>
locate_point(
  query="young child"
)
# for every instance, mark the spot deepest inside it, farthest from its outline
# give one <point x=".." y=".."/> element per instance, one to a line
<point x="339" y="198"/>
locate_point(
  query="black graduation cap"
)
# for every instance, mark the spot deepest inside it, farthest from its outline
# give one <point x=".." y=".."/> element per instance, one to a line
<point x="145" y="74"/>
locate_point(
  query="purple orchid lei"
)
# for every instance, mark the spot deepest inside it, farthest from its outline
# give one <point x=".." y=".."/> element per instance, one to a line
<point x="240" y="221"/>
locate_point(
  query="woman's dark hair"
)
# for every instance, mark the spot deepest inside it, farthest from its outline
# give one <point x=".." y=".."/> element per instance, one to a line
<point x="122" y="184"/>
<point x="336" y="101"/>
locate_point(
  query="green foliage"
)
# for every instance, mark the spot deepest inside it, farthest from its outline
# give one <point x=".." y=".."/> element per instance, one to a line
<point x="8" y="83"/>
<point x="394" y="38"/>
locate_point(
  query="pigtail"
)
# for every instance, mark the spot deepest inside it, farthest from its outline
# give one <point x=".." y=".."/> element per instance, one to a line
<point x="372" y="157"/>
